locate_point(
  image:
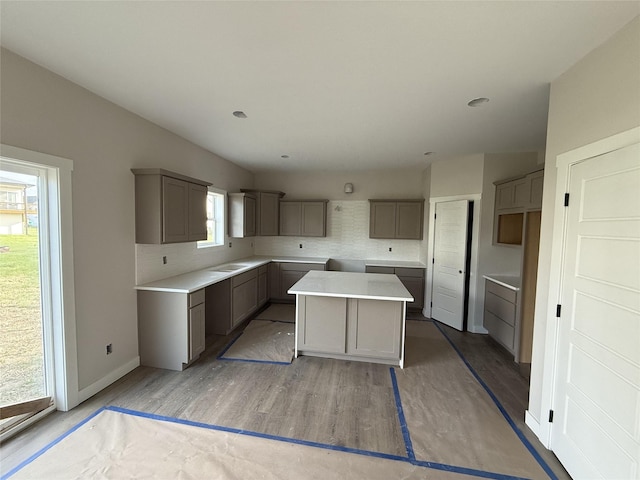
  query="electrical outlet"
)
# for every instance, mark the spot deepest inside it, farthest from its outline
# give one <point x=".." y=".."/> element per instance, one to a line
<point x="230" y="244"/>
<point x="164" y="260"/>
<point x="109" y="349"/>
<point x="300" y="245"/>
<point x="389" y="248"/>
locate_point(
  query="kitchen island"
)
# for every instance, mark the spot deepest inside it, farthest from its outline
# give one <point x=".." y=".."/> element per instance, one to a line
<point x="351" y="316"/>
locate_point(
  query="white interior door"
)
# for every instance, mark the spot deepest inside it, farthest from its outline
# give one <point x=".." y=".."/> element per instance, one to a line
<point x="449" y="259"/>
<point x="596" y="427"/>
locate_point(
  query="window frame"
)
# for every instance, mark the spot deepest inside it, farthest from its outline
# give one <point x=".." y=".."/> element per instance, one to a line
<point x="220" y="224"/>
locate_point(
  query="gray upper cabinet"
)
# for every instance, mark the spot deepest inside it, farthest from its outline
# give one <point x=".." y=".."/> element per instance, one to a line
<point x="303" y="218"/>
<point x="170" y="207"/>
<point x="396" y="219"/>
<point x="267" y="211"/>
<point x="242" y="215"/>
<point x="536" y="179"/>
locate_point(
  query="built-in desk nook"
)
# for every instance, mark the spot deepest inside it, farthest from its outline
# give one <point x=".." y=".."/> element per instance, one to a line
<point x="351" y="316"/>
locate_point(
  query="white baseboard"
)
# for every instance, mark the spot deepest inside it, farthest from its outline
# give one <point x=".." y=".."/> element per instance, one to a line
<point x="534" y="425"/>
<point x="107" y="380"/>
<point x="478" y="329"/>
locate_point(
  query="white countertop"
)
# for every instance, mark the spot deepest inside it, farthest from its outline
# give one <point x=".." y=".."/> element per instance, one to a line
<point x="192" y="281"/>
<point x="509" y="281"/>
<point x="393" y="263"/>
<point x="373" y="286"/>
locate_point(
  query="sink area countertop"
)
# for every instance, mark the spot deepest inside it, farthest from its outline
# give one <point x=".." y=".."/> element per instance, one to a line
<point x="192" y="281"/>
<point x="508" y="281"/>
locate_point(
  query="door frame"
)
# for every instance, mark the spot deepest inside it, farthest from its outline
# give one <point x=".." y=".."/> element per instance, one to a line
<point x="61" y="288"/>
<point x="549" y="342"/>
<point x="475" y="283"/>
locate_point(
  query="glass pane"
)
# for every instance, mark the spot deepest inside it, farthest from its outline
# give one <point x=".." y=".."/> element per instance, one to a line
<point x="21" y="345"/>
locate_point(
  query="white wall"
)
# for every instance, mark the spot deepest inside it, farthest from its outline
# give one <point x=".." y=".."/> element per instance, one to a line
<point x="347" y="238"/>
<point x="596" y="98"/>
<point x="457" y="176"/>
<point x="46" y="113"/>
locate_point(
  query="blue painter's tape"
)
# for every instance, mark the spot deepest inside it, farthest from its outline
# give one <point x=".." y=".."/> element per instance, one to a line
<point x="465" y="471"/>
<point x="269" y="362"/>
<point x="47" y="447"/>
<point x="508" y="418"/>
<point x="403" y="421"/>
<point x="257" y="434"/>
<point x="224" y="350"/>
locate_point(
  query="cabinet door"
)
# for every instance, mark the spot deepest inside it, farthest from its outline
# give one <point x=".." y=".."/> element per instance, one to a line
<point x="323" y="324"/>
<point x="287" y="279"/>
<point x="382" y="220"/>
<point x="249" y="220"/>
<point x="536" y="181"/>
<point x="415" y="285"/>
<point x="197" y="212"/>
<point x="244" y="301"/>
<point x="175" y="210"/>
<point x="269" y="213"/>
<point x="290" y="217"/>
<point x="520" y="193"/>
<point x="314" y="219"/>
<point x="262" y="289"/>
<point x="504" y="196"/>
<point x="409" y="220"/>
<point x="375" y="328"/>
<point x="196" y="331"/>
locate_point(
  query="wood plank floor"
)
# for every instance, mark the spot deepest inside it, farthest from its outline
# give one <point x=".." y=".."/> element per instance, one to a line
<point x="335" y="402"/>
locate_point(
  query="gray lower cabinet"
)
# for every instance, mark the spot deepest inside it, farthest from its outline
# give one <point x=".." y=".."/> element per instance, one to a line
<point x="263" y="285"/>
<point x="283" y="275"/>
<point x="171" y="328"/>
<point x="396" y="219"/>
<point x="170" y="208"/>
<point x="232" y="301"/>
<point x="350" y="328"/>
<point x="303" y="218"/>
<point x="500" y="314"/>
<point x="411" y="278"/>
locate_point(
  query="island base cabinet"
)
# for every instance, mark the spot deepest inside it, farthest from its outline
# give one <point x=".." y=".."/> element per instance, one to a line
<point x="170" y="328"/>
<point x="375" y="328"/>
<point x="350" y="329"/>
<point x="324" y="328"/>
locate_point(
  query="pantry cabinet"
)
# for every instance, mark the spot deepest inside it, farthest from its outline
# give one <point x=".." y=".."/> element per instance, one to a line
<point x="170" y="207"/>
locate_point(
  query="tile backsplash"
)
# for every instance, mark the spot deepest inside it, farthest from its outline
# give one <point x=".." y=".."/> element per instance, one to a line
<point x="347" y="238"/>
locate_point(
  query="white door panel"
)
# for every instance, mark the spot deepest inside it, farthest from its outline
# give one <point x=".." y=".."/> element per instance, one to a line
<point x="596" y="429"/>
<point x="450" y="251"/>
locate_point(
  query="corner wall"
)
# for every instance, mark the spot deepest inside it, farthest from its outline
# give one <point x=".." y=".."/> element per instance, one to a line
<point x="595" y="99"/>
<point x="43" y="112"/>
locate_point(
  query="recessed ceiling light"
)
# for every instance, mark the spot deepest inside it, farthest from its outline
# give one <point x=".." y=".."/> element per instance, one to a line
<point x="476" y="102"/>
<point x="284" y="156"/>
<point x="239" y="114"/>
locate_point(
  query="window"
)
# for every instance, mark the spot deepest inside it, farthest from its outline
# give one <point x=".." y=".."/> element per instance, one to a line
<point x="215" y="218"/>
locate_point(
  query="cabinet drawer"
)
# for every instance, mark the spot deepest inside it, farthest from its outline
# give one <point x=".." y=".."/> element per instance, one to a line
<point x="410" y="272"/>
<point x="380" y="270"/>
<point x="502" y="292"/>
<point x="499" y="330"/>
<point x="302" y="267"/>
<point x="244" y="277"/>
<point x="498" y="306"/>
<point x="196" y="298"/>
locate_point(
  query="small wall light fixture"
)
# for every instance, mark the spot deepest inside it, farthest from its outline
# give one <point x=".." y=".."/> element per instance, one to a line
<point x="348" y="188"/>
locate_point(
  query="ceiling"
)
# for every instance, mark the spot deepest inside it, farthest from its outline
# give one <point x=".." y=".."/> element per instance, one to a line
<point x="332" y="85"/>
